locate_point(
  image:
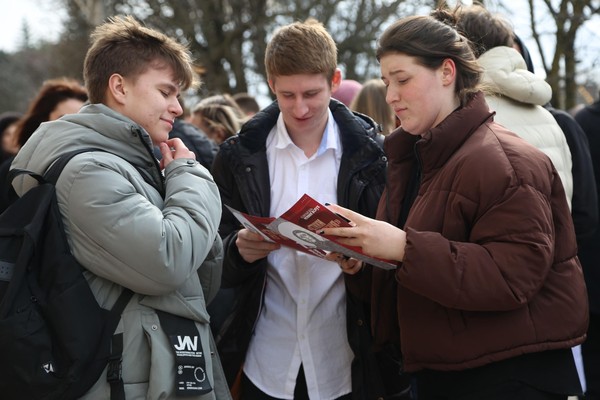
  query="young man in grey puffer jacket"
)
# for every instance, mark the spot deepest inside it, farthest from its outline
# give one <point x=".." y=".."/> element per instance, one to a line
<point x="134" y="222"/>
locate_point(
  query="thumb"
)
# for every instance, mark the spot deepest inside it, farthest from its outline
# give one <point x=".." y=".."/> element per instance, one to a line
<point x="344" y="212"/>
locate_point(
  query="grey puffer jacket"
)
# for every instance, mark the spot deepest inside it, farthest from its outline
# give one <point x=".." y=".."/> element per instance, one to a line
<point x="131" y="227"/>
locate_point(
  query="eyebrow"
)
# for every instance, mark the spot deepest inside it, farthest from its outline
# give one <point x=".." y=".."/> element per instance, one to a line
<point x="395" y="72"/>
<point x="170" y="86"/>
<point x="302" y="93"/>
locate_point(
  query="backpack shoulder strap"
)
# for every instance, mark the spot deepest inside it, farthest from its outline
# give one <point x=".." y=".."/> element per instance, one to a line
<point x="59" y="164"/>
<point x="115" y="360"/>
<point x="52" y="174"/>
<point x="13" y="173"/>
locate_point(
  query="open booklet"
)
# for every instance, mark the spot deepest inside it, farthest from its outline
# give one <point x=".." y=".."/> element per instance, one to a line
<point x="297" y="228"/>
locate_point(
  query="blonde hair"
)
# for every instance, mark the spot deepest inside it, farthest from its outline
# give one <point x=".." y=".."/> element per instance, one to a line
<point x="219" y="120"/>
<point x="224" y="99"/>
<point x="370" y="100"/>
<point x="124" y="46"/>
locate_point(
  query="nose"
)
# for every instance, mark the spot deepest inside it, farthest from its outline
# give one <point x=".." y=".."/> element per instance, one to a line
<point x="300" y="107"/>
<point x="175" y="108"/>
<point x="390" y="95"/>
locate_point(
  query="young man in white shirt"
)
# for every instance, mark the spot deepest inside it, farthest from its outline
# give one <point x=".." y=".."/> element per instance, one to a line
<point x="295" y="332"/>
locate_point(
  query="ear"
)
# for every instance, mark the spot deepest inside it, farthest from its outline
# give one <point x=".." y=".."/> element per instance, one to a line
<point x="448" y="71"/>
<point x="116" y="88"/>
<point x="336" y="80"/>
<point x="272" y="85"/>
<point x="220" y="133"/>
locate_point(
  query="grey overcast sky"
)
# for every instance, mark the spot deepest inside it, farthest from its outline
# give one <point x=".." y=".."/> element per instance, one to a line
<point x="45" y="17"/>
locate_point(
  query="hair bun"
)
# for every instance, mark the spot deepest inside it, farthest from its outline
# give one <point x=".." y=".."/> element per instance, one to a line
<point x="445" y="16"/>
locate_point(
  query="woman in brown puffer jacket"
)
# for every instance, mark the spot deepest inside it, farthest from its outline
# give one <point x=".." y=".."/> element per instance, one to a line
<point x="488" y="297"/>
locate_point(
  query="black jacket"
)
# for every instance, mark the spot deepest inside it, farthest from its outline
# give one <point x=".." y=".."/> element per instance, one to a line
<point x="589" y="253"/>
<point x="7" y="193"/>
<point x="584" y="204"/>
<point x="204" y="148"/>
<point x="242" y="174"/>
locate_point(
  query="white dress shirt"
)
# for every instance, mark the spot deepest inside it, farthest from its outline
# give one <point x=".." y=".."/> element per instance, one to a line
<point x="303" y="319"/>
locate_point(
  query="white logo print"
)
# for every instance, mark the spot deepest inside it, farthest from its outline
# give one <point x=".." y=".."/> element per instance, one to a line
<point x="186" y="343"/>
<point x="199" y="374"/>
<point x="48" y="367"/>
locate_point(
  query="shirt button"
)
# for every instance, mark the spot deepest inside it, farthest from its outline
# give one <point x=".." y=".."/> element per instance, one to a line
<point x="359" y="322"/>
<point x="154" y="327"/>
<point x="191" y="162"/>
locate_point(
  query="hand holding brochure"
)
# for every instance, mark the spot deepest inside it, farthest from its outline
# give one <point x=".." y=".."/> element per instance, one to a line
<point x="297" y="228"/>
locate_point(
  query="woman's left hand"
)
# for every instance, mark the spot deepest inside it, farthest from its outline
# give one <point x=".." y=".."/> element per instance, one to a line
<point x="348" y="265"/>
<point x="376" y="238"/>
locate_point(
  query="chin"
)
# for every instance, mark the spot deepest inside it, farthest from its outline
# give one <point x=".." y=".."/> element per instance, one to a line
<point x="160" y="138"/>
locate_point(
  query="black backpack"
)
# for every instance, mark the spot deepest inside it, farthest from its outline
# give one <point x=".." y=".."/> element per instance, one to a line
<point x="55" y="340"/>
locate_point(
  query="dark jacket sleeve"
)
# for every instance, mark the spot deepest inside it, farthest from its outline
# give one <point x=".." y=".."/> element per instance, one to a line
<point x="7" y="193"/>
<point x="236" y="270"/>
<point x="589" y="254"/>
<point x="584" y="205"/>
<point x="195" y="140"/>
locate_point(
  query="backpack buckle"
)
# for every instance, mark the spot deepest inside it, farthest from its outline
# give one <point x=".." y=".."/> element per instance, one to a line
<point x="115" y="360"/>
<point x="114" y="369"/>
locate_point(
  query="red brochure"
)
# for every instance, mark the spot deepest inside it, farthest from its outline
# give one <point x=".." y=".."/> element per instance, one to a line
<point x="297" y="228"/>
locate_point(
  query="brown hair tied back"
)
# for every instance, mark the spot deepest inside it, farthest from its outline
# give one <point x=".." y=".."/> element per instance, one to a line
<point x="431" y="41"/>
<point x="446" y="16"/>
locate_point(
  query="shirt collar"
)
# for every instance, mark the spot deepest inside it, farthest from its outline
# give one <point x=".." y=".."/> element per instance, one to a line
<point x="330" y="139"/>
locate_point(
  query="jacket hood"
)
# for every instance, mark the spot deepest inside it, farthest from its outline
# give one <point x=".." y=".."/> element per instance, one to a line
<point x="506" y="74"/>
<point x="95" y="126"/>
<point x="525" y="54"/>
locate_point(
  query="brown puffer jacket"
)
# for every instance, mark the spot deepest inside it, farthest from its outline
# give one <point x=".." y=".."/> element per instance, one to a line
<point x="490" y="270"/>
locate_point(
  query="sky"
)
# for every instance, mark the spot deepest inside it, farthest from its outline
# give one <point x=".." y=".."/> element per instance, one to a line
<point x="43" y="17"/>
